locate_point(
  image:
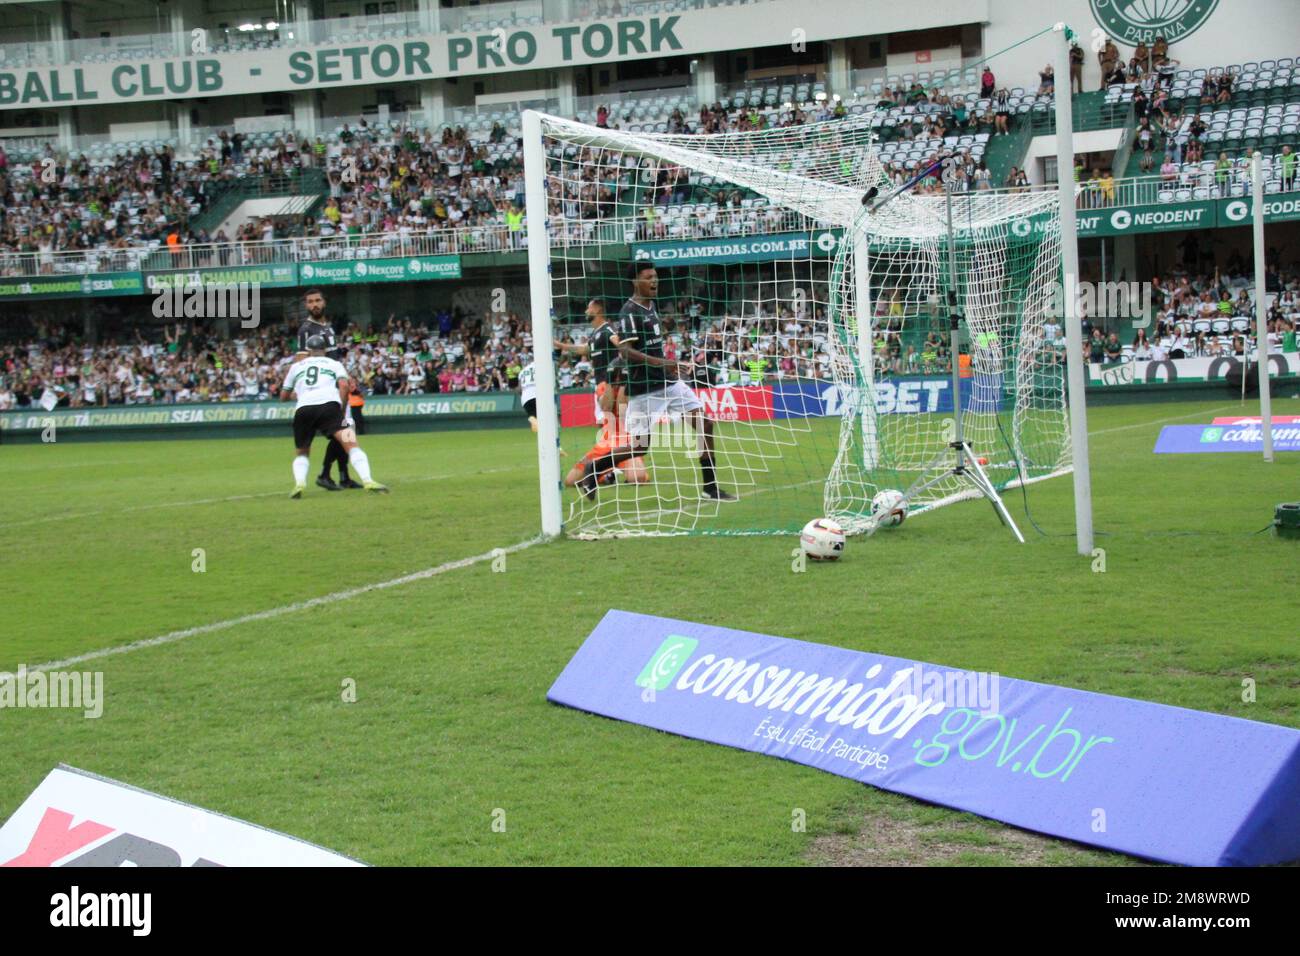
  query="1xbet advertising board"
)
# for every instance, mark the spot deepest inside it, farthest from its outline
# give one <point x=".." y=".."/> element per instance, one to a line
<point x="809" y="398"/>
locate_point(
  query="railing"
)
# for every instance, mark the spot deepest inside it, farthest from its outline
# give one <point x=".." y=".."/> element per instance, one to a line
<point x="468" y="240"/>
<point x="326" y="125"/>
<point x="1090" y="112"/>
<point x="874" y="80"/>
<point x="1187" y="186"/>
<point x="351" y="29"/>
<point x="225" y="201"/>
<point x="132" y="46"/>
<point x="622" y="103"/>
<point x="752" y="92"/>
<point x="486" y="17"/>
<point x="466" y="115"/>
<point x="683" y="221"/>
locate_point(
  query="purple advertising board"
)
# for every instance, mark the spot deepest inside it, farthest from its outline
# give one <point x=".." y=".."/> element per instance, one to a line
<point x="1167" y="783"/>
<point x="1193" y="439"/>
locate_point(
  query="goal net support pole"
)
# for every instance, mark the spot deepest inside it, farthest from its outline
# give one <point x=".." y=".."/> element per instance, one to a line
<point x="1261" y="313"/>
<point x="543" y="313"/>
<point x="1075" y="376"/>
<point x="866" y="355"/>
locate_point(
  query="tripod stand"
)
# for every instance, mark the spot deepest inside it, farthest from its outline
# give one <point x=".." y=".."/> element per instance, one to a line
<point x="957" y="460"/>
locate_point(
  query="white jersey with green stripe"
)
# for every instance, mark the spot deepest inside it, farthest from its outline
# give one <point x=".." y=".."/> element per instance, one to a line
<point x="315" y="380"/>
<point x="527" y="383"/>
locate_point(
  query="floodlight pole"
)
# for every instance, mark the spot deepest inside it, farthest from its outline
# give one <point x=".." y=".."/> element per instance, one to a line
<point x="1070" y="266"/>
<point x="1261" y="314"/>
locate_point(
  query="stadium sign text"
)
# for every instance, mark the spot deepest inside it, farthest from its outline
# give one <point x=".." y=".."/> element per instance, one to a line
<point x="1041" y="757"/>
<point x="414" y="269"/>
<point x="274" y="276"/>
<point x="1237" y="212"/>
<point x="1162" y="217"/>
<point x="58" y="287"/>
<point x="434" y="53"/>
<point x="378" y="407"/>
<point x="895" y="395"/>
<point x="819" y="244"/>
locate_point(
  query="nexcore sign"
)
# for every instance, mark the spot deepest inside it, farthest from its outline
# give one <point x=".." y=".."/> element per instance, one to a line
<point x="414" y="269"/>
<point x="1128" y="775"/>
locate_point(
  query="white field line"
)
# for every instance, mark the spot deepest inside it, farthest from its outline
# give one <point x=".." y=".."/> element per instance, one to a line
<point x="337" y="596"/>
<point x="1164" y="421"/>
<point x="324" y="599"/>
<point x="212" y="501"/>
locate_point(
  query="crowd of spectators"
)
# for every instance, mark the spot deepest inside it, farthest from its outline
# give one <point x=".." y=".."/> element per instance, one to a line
<point x="1193" y="314"/>
<point x="446" y="352"/>
<point x="384" y="179"/>
<point x="1146" y="62"/>
<point x="55" y="205"/>
<point x="1202" y="315"/>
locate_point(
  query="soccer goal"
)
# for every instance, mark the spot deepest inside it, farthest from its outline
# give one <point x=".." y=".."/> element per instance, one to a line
<point x="818" y="327"/>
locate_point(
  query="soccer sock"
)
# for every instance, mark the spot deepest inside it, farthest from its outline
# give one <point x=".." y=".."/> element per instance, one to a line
<point x="706" y="470"/>
<point x="612" y="460"/>
<point x="301" y="465"/>
<point x="330" y="457"/>
<point x="334" y="454"/>
<point x="360" y="462"/>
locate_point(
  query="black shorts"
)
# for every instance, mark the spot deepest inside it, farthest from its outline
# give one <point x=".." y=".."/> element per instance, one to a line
<point x="312" y="420"/>
<point x="530" y="408"/>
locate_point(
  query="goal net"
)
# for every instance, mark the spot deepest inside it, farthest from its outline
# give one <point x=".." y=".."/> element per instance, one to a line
<point x="817" y="328"/>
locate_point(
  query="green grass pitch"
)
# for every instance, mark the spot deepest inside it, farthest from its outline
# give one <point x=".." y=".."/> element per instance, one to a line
<point x="451" y="722"/>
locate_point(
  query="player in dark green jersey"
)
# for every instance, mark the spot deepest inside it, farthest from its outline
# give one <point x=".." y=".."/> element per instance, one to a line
<point x="599" y="348"/>
<point x="654" y="387"/>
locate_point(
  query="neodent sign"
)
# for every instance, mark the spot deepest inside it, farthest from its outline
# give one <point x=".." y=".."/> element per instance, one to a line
<point x="1176" y="785"/>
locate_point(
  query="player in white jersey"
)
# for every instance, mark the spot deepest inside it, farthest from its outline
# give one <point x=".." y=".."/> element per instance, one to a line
<point x="528" y="393"/>
<point x="321" y="386"/>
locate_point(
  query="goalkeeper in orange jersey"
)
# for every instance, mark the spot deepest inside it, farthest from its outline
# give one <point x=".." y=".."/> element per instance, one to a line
<point x="612" y="398"/>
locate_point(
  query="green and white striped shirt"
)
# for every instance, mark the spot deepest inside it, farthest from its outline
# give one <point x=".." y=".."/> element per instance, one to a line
<point x="315" y="380"/>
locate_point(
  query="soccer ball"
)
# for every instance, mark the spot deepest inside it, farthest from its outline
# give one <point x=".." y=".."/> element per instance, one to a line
<point x="888" y="508"/>
<point x="822" y="540"/>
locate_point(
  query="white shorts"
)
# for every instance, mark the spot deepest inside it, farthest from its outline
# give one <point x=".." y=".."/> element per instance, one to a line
<point x="645" y="409"/>
<point x="600" y="412"/>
